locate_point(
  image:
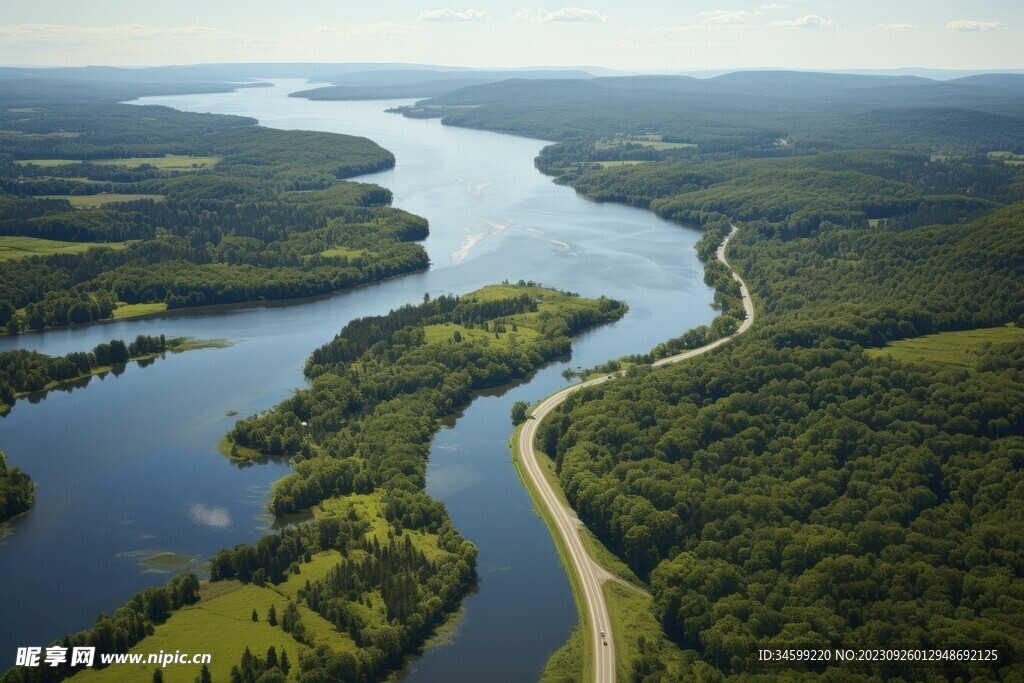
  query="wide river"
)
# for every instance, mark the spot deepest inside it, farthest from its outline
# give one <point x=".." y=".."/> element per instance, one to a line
<point x="127" y="467"/>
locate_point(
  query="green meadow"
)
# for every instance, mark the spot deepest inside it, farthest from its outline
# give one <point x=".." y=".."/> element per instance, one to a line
<point x="13" y="247"/>
<point x="124" y="310"/>
<point x="221" y="622"/>
<point x="91" y="201"/>
<point x="168" y="162"/>
<point x="621" y="162"/>
<point x="950" y="348"/>
<point x="344" y="251"/>
<point x="652" y="141"/>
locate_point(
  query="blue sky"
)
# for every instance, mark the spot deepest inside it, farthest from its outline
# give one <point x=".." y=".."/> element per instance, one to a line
<point x="641" y="34"/>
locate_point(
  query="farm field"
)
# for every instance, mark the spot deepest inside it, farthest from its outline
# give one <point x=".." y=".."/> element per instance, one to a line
<point x="124" y="310"/>
<point x="961" y="348"/>
<point x="14" y="247"/>
<point x="168" y="162"/>
<point x="91" y="201"/>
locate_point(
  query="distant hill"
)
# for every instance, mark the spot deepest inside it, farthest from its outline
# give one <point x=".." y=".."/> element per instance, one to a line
<point x="408" y="83"/>
<point x="752" y="110"/>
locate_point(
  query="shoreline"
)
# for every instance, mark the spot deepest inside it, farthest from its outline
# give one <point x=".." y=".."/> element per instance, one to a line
<point x="588" y="575"/>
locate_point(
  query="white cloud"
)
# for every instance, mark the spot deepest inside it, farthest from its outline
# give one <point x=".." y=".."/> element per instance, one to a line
<point x="808" y="21"/>
<point x="381" y="29"/>
<point x="57" y="35"/>
<point x="971" y="25"/>
<point x="450" y="15"/>
<point x="742" y="20"/>
<point x="772" y="5"/>
<point x="522" y="14"/>
<point x="702" y="27"/>
<point x="721" y="16"/>
<point x="894" y="27"/>
<point x="573" y="14"/>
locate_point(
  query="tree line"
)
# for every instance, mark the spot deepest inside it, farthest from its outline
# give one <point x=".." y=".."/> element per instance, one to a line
<point x="117" y="632"/>
<point x="23" y="372"/>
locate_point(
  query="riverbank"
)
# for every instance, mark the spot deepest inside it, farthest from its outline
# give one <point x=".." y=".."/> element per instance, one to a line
<point x="587" y="574"/>
<point x="174" y="345"/>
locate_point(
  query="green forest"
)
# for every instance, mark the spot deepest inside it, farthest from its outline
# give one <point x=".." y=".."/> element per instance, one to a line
<point x="204" y="209"/>
<point x="846" y="473"/>
<point x="803" y="485"/>
<point x="750" y="113"/>
<point x="792" y="488"/>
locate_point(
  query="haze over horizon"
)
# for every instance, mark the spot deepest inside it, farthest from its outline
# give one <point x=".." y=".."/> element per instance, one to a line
<point x="653" y="35"/>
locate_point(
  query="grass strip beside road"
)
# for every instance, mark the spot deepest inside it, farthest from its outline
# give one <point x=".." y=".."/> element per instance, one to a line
<point x="603" y="666"/>
<point x="573" y="662"/>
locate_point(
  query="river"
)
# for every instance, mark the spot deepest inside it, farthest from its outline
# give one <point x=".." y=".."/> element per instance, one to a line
<point x="127" y="467"/>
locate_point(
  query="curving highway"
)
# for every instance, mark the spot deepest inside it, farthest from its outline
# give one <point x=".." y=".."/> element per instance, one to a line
<point x="591" y="574"/>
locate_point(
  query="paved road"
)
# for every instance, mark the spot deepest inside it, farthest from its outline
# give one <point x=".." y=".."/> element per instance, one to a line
<point x="590" y="573"/>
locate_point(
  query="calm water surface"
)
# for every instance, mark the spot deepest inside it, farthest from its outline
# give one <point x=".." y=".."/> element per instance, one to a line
<point x="127" y="466"/>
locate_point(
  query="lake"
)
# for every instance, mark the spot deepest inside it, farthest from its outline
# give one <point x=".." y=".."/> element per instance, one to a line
<point x="127" y="467"/>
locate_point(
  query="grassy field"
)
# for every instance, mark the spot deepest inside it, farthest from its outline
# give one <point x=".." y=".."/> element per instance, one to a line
<point x="573" y="662"/>
<point x="632" y="616"/>
<point x="221" y="624"/>
<point x="124" y="310"/>
<point x="547" y="299"/>
<point x="1008" y="157"/>
<point x="950" y="348"/>
<point x="12" y="247"/>
<point x="343" y="251"/>
<point x="652" y="141"/>
<point x="445" y="333"/>
<point x="623" y="162"/>
<point x="47" y="163"/>
<point x="568" y="662"/>
<point x="316" y="569"/>
<point x="91" y="201"/>
<point x="170" y="162"/>
<point x="369" y="507"/>
<point x="527" y="325"/>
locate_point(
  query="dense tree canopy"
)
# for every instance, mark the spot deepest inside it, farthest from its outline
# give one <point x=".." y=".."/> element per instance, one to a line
<point x="788" y="488"/>
<point x="260" y="214"/>
<point x="755" y="111"/>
